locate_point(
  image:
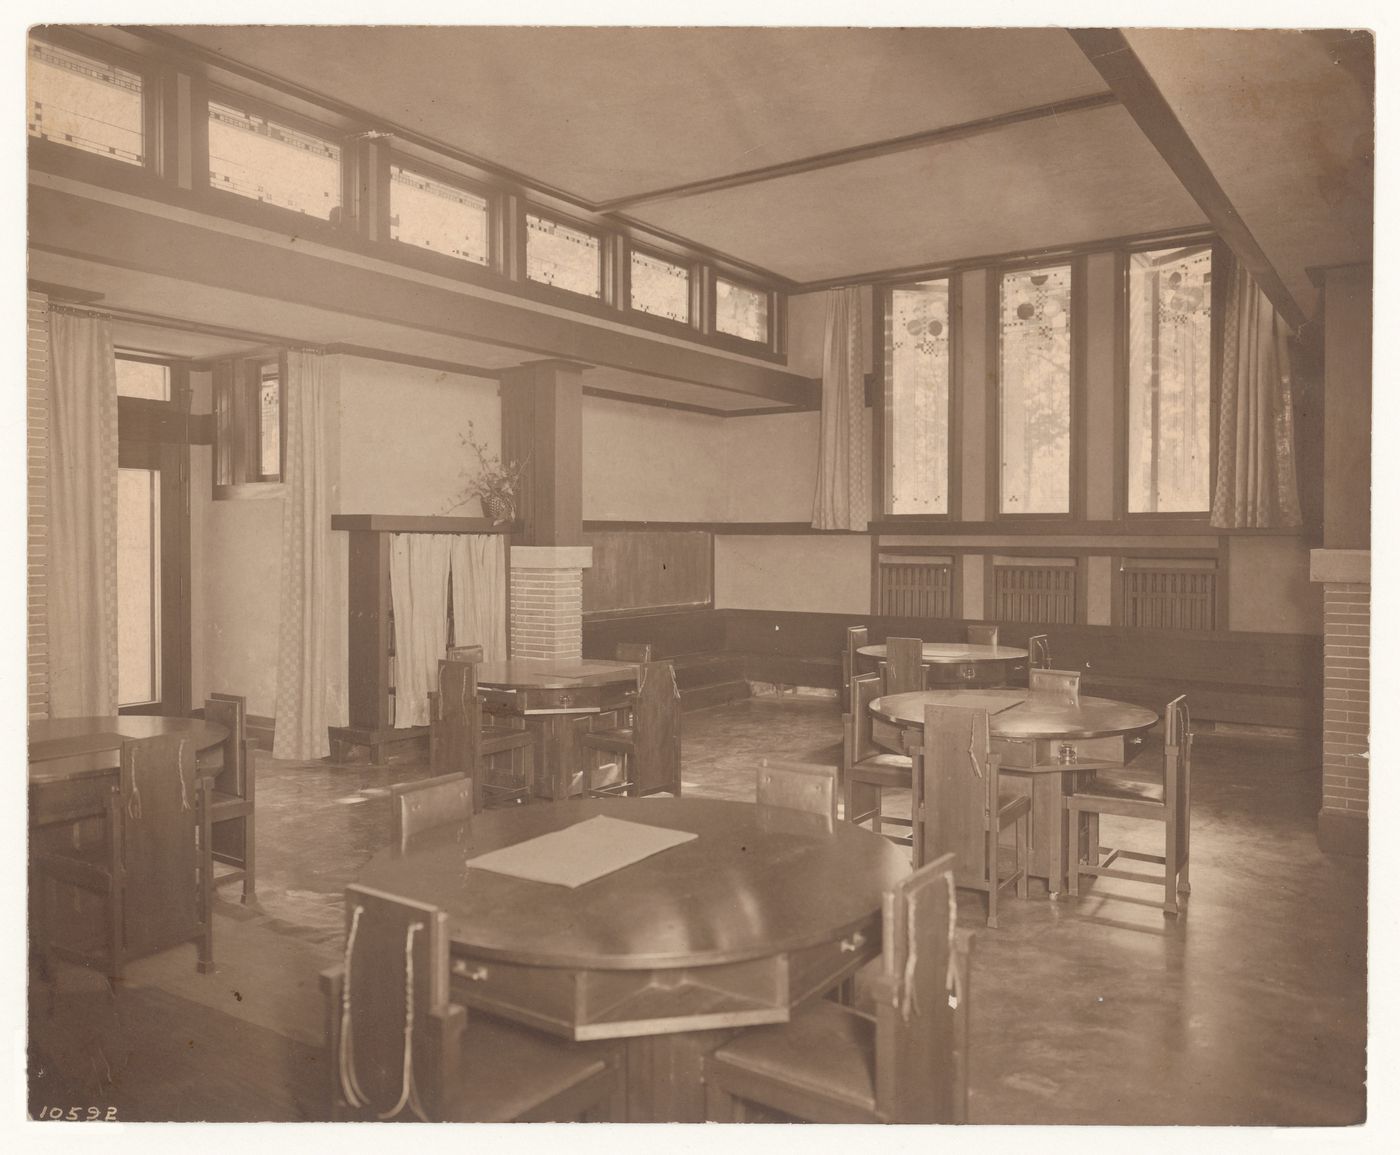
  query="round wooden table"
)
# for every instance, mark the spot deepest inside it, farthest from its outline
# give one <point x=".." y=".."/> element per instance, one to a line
<point x="1053" y="746"/>
<point x="954" y="663"/>
<point x="72" y="761"/>
<point x="765" y="909"/>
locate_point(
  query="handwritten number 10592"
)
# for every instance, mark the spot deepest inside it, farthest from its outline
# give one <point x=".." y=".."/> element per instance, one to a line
<point x="80" y="1114"/>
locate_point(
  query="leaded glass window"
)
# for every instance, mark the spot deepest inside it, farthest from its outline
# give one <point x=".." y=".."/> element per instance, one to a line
<point x="1169" y="380"/>
<point x="270" y="421"/>
<point x="85" y="103"/>
<point x="660" y="287"/>
<point x="438" y="216"/>
<point x="917" y="374"/>
<point x="1035" y="390"/>
<point x="741" y="311"/>
<point x="262" y="160"/>
<point x="563" y="257"/>
<point x="145" y="379"/>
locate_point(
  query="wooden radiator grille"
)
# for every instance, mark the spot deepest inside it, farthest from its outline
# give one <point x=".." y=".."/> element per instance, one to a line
<point x="1033" y="593"/>
<point x="1169" y="599"/>
<point x="916" y="588"/>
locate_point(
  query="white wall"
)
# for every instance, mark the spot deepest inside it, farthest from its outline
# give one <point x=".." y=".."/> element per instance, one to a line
<point x="1270" y="588"/>
<point x="818" y="574"/>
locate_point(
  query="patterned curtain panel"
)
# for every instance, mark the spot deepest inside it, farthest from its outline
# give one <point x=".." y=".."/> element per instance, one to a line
<point x="1256" y="480"/>
<point x="83" y="515"/>
<point x="418" y="585"/>
<point x="479" y="592"/>
<point x="843" y="497"/>
<point x="304" y="636"/>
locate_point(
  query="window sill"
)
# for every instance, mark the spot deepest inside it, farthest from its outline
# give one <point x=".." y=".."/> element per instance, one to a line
<point x="249" y="491"/>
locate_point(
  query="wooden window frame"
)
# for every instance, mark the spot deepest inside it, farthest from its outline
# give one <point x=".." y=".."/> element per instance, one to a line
<point x="694" y="290"/>
<point x="730" y="341"/>
<point x="236" y="458"/>
<point x="607" y="299"/>
<point x="433" y="260"/>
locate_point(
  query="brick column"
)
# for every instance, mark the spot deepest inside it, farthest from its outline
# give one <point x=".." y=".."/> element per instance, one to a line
<point x="1342" y="822"/>
<point x="546" y="600"/>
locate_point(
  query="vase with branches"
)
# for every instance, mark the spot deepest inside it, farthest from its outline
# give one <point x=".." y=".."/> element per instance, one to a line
<point x="494" y="481"/>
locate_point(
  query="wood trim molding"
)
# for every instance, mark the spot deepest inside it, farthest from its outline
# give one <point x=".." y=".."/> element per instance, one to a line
<point x="1108" y="50"/>
<point x="393" y="523"/>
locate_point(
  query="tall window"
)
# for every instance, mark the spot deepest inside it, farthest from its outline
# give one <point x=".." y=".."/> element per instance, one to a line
<point x="1035" y="390"/>
<point x="270" y="162"/>
<point x="138" y="587"/>
<point x="917" y="372"/>
<point x="563" y="257"/>
<point x="741" y="311"/>
<point x="1169" y="380"/>
<point x="660" y="287"/>
<point x="85" y="103"/>
<point x="438" y="216"/>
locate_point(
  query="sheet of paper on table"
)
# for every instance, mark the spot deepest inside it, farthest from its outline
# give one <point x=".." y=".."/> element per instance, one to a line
<point x="582" y="852"/>
<point x="992" y="703"/>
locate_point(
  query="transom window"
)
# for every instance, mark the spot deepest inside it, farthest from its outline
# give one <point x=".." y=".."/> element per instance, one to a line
<point x="660" y="287"/>
<point x="566" y="258"/>
<point x="741" y="311"/>
<point x="85" y="103"/>
<point x="917" y="375"/>
<point x="254" y="157"/>
<point x="1169" y="374"/>
<point x="137" y="377"/>
<point x="1035" y="390"/>
<point x="438" y="216"/>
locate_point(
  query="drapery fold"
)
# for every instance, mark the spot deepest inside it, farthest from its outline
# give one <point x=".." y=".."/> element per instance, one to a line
<point x="82" y="591"/>
<point x="304" y="632"/>
<point x="418" y="565"/>
<point x="1256" y="479"/>
<point x="479" y="592"/>
<point x="842" y="499"/>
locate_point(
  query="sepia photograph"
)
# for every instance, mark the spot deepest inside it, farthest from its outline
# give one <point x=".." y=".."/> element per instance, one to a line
<point x="605" y="571"/>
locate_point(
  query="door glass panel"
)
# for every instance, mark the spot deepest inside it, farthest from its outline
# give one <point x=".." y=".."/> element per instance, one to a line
<point x="138" y="586"/>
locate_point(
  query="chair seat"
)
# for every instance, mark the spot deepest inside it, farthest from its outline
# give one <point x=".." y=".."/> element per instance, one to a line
<point x="884" y="770"/>
<point x="1117" y="787"/>
<point x="506" y="1071"/>
<point x="497" y="739"/>
<point x="826" y="1050"/>
<point x="620" y="740"/>
<point x="223" y="805"/>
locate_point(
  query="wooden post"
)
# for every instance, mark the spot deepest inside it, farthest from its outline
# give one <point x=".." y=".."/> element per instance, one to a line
<point x="542" y="421"/>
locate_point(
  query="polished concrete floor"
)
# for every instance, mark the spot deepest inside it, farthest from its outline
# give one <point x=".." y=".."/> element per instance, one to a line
<point x="1248" y="1009"/>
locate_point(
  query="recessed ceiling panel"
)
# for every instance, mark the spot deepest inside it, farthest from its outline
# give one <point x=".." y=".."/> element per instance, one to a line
<point x="1060" y="180"/>
<point x="604" y="113"/>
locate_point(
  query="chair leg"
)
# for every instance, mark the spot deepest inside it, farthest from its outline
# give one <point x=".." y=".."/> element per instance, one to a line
<point x="1169" y="903"/>
<point x="250" y="884"/>
<point x="721" y="1106"/>
<point x="1074" y="852"/>
<point x="992" y="843"/>
<point x="1023" y="858"/>
<point x="879" y="806"/>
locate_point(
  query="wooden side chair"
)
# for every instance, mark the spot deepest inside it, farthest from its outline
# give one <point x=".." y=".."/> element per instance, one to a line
<point x="904" y="665"/>
<point x="1059" y="686"/>
<point x="417" y="807"/>
<point x="650" y="749"/>
<point x="150" y="870"/>
<point x="460" y="742"/>
<point x="231" y="800"/>
<point x="962" y="804"/>
<point x="473" y="653"/>
<point x="856" y="637"/>
<point x="1167" y="802"/>
<point x="982" y="635"/>
<point x="801" y="786"/>
<point x="868" y="769"/>
<point x="905" y="1064"/>
<point x="398" y="1047"/>
<point x="1038" y="651"/>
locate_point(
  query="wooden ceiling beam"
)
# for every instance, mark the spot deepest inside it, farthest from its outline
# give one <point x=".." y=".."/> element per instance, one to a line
<point x="1108" y="51"/>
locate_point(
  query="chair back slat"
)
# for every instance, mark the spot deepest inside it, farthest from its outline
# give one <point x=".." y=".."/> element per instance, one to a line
<point x="1038" y="648"/>
<point x="454" y="743"/>
<point x="797" y="786"/>
<point x="918" y="1061"/>
<point x="1059" y="686"/>
<point x="860" y="743"/>
<point x="418" y="807"/>
<point x="369" y="1051"/>
<point x="982" y="635"/>
<point x="475" y="654"/>
<point x="904" y="665"/>
<point x="161" y="800"/>
<point x="231" y="712"/>
<point x="657" y="730"/>
<point x="856" y="636"/>
<point x="638" y="652"/>
<point x="954" y="790"/>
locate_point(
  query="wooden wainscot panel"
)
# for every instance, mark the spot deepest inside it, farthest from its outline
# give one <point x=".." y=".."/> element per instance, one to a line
<point x="647" y="570"/>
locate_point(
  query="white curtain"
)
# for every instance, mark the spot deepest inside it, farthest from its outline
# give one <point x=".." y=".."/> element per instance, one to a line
<point x="842" y="499"/>
<point x="304" y="633"/>
<point x="1256" y="480"/>
<point x="418" y="584"/>
<point x="479" y="592"/>
<point x="82" y="594"/>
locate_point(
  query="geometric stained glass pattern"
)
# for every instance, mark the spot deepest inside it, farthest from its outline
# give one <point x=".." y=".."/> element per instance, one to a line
<point x="1035" y="390"/>
<point x="563" y="257"/>
<point x="438" y="216"/>
<point x="265" y="161"/>
<point x="917" y="370"/>
<point x="660" y="287"/>
<point x="84" y="103"/>
<point x="741" y="311"/>
<point x="1169" y="418"/>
